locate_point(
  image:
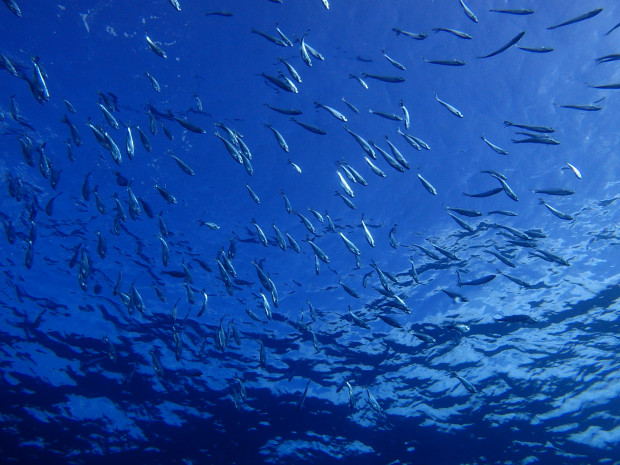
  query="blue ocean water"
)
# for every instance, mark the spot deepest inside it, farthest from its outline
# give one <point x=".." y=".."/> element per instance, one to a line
<point x="125" y="334"/>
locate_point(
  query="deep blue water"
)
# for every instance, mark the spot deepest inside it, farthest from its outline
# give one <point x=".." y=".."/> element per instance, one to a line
<point x="89" y="376"/>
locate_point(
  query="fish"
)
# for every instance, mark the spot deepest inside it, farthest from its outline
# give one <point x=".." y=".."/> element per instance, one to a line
<point x="285" y="39"/>
<point x="389" y="116"/>
<point x="349" y="290"/>
<point x="367" y="233"/>
<point x="608" y="58"/>
<point x="305" y="393"/>
<point x="39" y="80"/>
<point x="374" y="168"/>
<point x="410" y="139"/>
<point x="270" y="38"/>
<point x="391" y="321"/>
<point x="583" y="17"/>
<point x="281" y="141"/>
<point x="462" y="223"/>
<point x="189" y="125"/>
<point x="397" y="155"/>
<point x="144" y="139"/>
<point x="232" y="150"/>
<point x="452" y="109"/>
<point x="391" y="160"/>
<point x="49" y="206"/>
<point x="152" y="122"/>
<point x="154" y="84"/>
<point x="13" y="7"/>
<point x="495" y="174"/>
<point x="495" y="148"/>
<point x="350" y="245"/>
<point x="284" y="111"/>
<point x="614" y="85"/>
<point x="75" y="133"/>
<point x="253" y="194"/>
<point x="517" y="281"/>
<point x="550" y="257"/>
<point x="287" y="202"/>
<point x="501" y="258"/>
<point x="315" y="53"/>
<point x="165" y="251"/>
<point x="556" y="212"/>
<point x="557" y="191"/>
<point x="279" y="237"/>
<point x="470" y="14"/>
<point x="543" y="129"/>
<point x="8" y="65"/>
<point x="266" y="306"/>
<point x="509" y="192"/>
<point x="352" y="173"/>
<point x="317" y="215"/>
<point x="427" y="185"/>
<point x="309" y="226"/>
<point x="474" y="282"/>
<point x="505" y="47"/>
<point x="181" y="164"/>
<point x="428" y="252"/>
<point x="536" y="139"/>
<point x="458" y="298"/>
<point x="462" y="35"/>
<point x="303" y="50"/>
<point x="219" y="13"/>
<point x="581" y="107"/>
<point x="392" y="235"/>
<point x="350" y="105"/>
<point x="536" y="49"/>
<point x="309" y="50"/>
<point x="293" y="243"/>
<point x="335" y="113"/>
<point x="156" y="48"/>
<point x="260" y="233"/>
<point x="357" y="320"/>
<point x="167" y="196"/>
<point x="413" y="35"/>
<point x="446" y="252"/>
<point x="176" y="4"/>
<point x="363" y="143"/>
<point x="309" y="127"/>
<point x="384" y="78"/>
<point x="575" y="171"/>
<point x="446" y="62"/>
<point x="466" y="384"/>
<point x="359" y="79"/>
<point x="281" y="82"/>
<point x="295" y="166"/>
<point x="395" y="63"/>
<point x="293" y="72"/>
<point x="516" y="232"/>
<point x="348" y="202"/>
<point x="423" y="337"/>
<point x="612" y="29"/>
<point x="406" y="117"/>
<point x="464" y="211"/>
<point x="516" y="11"/>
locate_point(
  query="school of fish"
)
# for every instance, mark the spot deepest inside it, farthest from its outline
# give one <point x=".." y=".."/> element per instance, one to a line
<point x="186" y="289"/>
